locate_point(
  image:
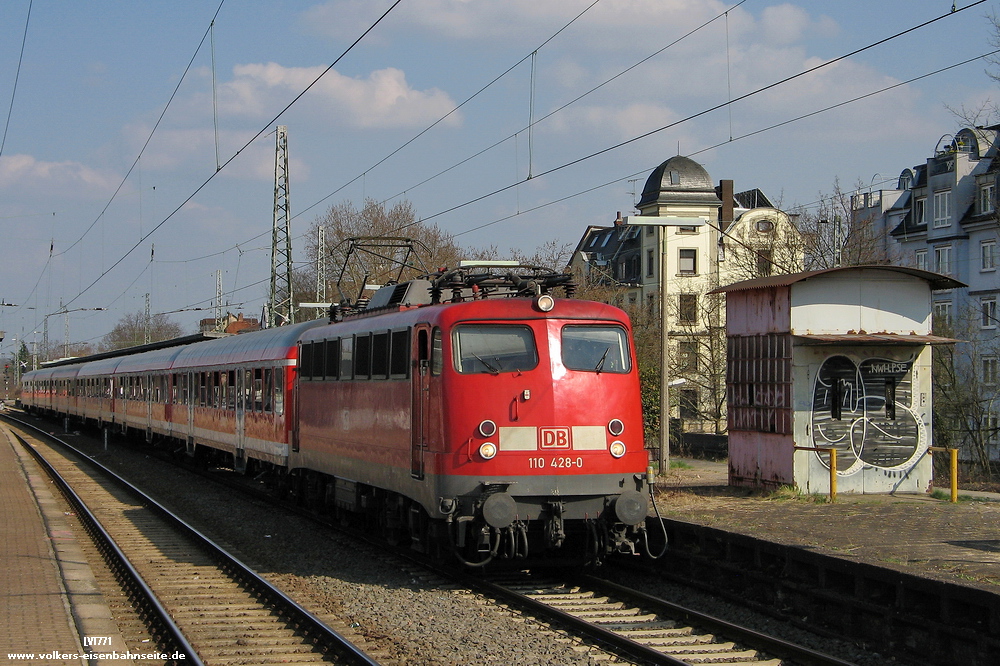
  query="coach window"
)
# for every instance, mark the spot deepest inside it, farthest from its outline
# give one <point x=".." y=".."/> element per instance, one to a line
<point x="231" y="390"/>
<point x="247" y="389"/>
<point x="596" y="349"/>
<point x="493" y="349"/>
<point x="279" y="391"/>
<point x="332" y="358"/>
<point x="437" y="352"/>
<point x="258" y="390"/>
<point x="268" y="389"/>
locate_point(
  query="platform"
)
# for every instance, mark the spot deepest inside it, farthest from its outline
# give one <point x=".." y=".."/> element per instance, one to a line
<point x="913" y="533"/>
<point x="49" y="600"/>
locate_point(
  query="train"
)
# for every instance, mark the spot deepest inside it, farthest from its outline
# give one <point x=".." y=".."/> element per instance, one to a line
<point x="471" y="411"/>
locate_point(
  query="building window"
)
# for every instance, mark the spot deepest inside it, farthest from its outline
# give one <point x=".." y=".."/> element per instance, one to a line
<point x="991" y="424"/>
<point x="687" y="261"/>
<point x="942" y="209"/>
<point x="988" y="309"/>
<point x="687" y="308"/>
<point x="764" y="262"/>
<point x="920" y="259"/>
<point x="988" y="254"/>
<point x="942" y="259"/>
<point x="986" y="192"/>
<point x="687" y="356"/>
<point x="942" y="313"/>
<point x="919" y="206"/>
<point x="765" y="226"/>
<point x="650" y="263"/>
<point x="991" y="370"/>
<point x="689" y="404"/>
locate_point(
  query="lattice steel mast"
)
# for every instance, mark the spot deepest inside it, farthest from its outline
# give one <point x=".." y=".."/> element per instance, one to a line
<point x="281" y="309"/>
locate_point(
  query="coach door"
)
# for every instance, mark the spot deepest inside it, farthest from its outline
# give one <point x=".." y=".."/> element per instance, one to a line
<point x="421" y="391"/>
<point x="244" y="389"/>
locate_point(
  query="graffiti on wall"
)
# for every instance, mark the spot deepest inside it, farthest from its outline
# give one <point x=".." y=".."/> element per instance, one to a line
<point x="864" y="411"/>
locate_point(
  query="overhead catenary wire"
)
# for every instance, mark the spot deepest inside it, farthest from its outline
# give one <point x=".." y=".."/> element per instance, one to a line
<point x="693" y="116"/>
<point x="17" y="75"/>
<point x="586" y="157"/>
<point x="769" y="86"/>
<point x="256" y="136"/>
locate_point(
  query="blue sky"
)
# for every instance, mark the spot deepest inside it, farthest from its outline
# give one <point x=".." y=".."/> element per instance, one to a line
<point x="96" y="76"/>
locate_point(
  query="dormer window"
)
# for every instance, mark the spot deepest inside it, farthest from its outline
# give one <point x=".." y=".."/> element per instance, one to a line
<point x="765" y="226"/>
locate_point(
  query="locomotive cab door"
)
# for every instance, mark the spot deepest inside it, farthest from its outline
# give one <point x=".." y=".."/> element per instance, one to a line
<point x="419" y="403"/>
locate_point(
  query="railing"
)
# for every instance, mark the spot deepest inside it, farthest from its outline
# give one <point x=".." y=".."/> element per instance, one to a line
<point x="953" y="464"/>
<point x="833" y="466"/>
<point x="953" y="453"/>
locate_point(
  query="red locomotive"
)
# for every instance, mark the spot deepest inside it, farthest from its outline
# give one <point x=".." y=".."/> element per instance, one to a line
<point x="470" y="411"/>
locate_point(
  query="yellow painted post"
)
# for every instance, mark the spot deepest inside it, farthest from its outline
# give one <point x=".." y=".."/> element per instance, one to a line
<point x="954" y="474"/>
<point x="833" y="475"/>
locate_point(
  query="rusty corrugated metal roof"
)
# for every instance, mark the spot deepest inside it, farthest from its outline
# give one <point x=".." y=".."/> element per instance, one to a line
<point x="871" y="339"/>
<point x="936" y="280"/>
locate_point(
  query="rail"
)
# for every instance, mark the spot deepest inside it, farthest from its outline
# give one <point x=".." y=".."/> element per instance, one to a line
<point x="308" y="624"/>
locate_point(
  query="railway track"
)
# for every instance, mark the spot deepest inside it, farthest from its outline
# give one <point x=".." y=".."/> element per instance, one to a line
<point x="622" y="622"/>
<point x="641" y="627"/>
<point x="197" y="599"/>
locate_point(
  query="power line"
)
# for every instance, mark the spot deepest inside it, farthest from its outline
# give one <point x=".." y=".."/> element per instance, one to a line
<point x="235" y="155"/>
<point x="17" y="75"/>
<point x="693" y="116"/>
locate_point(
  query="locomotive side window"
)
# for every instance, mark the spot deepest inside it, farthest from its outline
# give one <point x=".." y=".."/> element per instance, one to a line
<point x="493" y="349"/>
<point x="333" y="358"/>
<point x="399" y="361"/>
<point x="346" y="357"/>
<point x="362" y="356"/>
<point x="380" y="355"/>
<point x="305" y="360"/>
<point x="595" y="348"/>
<point x="437" y="353"/>
<point x="319" y="360"/>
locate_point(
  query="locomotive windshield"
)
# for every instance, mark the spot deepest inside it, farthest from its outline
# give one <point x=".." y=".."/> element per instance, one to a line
<point x="494" y="349"/>
<point x="596" y="348"/>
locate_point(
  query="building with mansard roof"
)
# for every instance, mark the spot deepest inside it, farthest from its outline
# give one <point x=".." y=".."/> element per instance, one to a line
<point x="942" y="217"/>
<point x="744" y="237"/>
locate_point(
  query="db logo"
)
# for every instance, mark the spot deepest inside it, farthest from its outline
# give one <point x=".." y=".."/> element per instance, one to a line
<point x="554" y="438"/>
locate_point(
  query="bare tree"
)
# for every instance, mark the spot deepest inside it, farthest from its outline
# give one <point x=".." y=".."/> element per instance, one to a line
<point x="967" y="389"/>
<point x="131" y="331"/>
<point x="343" y="221"/>
<point x="833" y="235"/>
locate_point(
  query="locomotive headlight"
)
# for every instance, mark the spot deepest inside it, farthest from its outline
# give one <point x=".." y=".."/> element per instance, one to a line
<point x="617" y="448"/>
<point x="545" y="303"/>
<point x="616" y="427"/>
<point x="487" y="428"/>
<point x="488" y="450"/>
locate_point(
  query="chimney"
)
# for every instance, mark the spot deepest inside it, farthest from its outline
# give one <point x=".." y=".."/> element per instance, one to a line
<point x="726" y="214"/>
<point x="619" y="220"/>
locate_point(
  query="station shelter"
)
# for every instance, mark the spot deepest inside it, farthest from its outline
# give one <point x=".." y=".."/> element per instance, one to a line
<point x="832" y="359"/>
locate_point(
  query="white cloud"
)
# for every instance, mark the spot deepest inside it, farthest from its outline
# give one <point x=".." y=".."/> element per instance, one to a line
<point x="29" y="174"/>
<point x="383" y="100"/>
